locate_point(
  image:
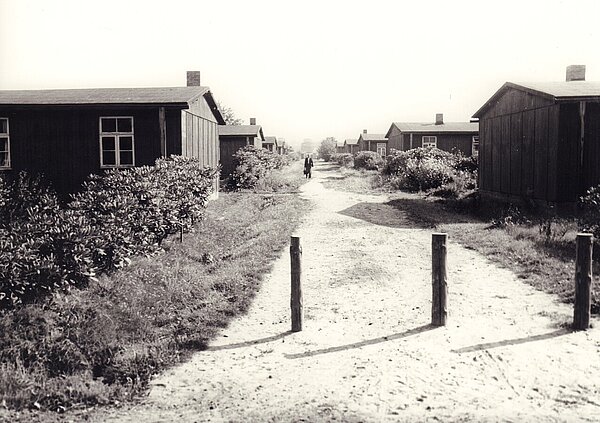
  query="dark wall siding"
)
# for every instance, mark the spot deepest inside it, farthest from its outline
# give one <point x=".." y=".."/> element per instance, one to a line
<point x="568" y="152"/>
<point x="540" y="183"/>
<point x="520" y="150"/>
<point x="445" y="141"/>
<point x="228" y="147"/>
<point x="516" y="142"/>
<point x="528" y="158"/>
<point x="505" y="153"/>
<point x="63" y="143"/>
<point x="591" y="148"/>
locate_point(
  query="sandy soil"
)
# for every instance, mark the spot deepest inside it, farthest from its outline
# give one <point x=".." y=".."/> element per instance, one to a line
<point x="367" y="351"/>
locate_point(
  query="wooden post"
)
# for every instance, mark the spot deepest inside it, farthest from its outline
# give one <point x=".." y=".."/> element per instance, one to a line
<point x="296" y="298"/>
<point x="583" y="282"/>
<point x="439" y="310"/>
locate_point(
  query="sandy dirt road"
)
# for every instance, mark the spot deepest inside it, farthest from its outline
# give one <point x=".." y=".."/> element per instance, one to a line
<point x="367" y="351"/>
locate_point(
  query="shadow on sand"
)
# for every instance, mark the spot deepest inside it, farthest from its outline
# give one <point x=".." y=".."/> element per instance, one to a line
<point x="249" y="343"/>
<point x="362" y="343"/>
<point x="516" y="341"/>
<point x="405" y="213"/>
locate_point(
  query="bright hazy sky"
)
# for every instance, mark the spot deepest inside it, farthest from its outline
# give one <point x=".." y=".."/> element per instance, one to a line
<point x="304" y="69"/>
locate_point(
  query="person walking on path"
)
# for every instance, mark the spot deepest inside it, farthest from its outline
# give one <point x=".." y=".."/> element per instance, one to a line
<point x="308" y="164"/>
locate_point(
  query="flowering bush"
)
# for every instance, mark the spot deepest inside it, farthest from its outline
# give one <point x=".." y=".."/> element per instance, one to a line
<point x="368" y="160"/>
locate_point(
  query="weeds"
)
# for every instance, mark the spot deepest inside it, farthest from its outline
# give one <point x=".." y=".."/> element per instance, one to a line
<point x="102" y="344"/>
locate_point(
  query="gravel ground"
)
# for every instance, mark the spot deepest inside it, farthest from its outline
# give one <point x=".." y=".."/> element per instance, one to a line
<point x="367" y="351"/>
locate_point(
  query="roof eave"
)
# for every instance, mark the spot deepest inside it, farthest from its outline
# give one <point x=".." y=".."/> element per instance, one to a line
<point x="213" y="107"/>
<point x="501" y="91"/>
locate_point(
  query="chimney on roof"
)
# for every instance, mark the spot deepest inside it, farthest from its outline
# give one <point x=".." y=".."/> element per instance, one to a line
<point x="193" y="78"/>
<point x="439" y="118"/>
<point x="252" y="121"/>
<point x="364" y="131"/>
<point x="576" y="73"/>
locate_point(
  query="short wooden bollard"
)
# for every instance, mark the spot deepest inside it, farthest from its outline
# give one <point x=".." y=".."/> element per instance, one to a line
<point x="296" y="299"/>
<point x="439" y="310"/>
<point x="583" y="282"/>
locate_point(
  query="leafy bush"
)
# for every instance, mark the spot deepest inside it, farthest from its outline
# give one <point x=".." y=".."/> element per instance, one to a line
<point x="452" y="175"/>
<point x="327" y="149"/>
<point x="397" y="161"/>
<point x="589" y="218"/>
<point x="251" y="165"/>
<point x="343" y="159"/>
<point x="466" y="164"/>
<point x="368" y="160"/>
<point x="47" y="246"/>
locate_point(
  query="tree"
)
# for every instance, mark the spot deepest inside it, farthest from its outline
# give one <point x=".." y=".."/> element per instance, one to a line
<point x="229" y="115"/>
<point x="327" y="148"/>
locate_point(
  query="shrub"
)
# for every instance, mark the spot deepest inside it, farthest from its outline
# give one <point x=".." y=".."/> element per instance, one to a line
<point x="251" y="165"/>
<point x="343" y="159"/>
<point x="327" y="149"/>
<point x="589" y="218"/>
<point x="422" y="175"/>
<point x="47" y="246"/>
<point x="397" y="161"/>
<point x="368" y="160"/>
<point x="466" y="164"/>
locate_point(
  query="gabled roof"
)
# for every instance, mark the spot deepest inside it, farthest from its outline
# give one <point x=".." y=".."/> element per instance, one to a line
<point x="372" y="137"/>
<point x="270" y="140"/>
<point x="351" y="141"/>
<point x="241" y="131"/>
<point x="172" y="96"/>
<point x="431" y="127"/>
<point x="557" y="91"/>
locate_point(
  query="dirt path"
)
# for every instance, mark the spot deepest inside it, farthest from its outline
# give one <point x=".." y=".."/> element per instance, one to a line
<point x="367" y="352"/>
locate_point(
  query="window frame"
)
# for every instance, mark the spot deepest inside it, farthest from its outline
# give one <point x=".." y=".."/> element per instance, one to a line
<point x="475" y="142"/>
<point x="429" y="141"/>
<point x="7" y="137"/>
<point x="381" y="146"/>
<point x="117" y="136"/>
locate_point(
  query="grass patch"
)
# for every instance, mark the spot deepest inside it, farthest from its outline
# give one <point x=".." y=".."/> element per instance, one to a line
<point x="539" y="250"/>
<point x="102" y="344"/>
<point x="353" y="180"/>
<point x="542" y="257"/>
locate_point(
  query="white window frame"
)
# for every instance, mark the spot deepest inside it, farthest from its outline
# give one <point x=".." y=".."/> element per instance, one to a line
<point x="381" y="147"/>
<point x="475" y="143"/>
<point x="117" y="136"/>
<point x="7" y="152"/>
<point x="429" y="141"/>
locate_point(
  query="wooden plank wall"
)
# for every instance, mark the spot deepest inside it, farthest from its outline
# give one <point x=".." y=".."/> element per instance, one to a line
<point x="519" y="147"/>
<point x="64" y="143"/>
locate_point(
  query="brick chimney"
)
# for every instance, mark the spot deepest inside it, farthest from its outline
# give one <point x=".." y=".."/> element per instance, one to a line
<point x="439" y="118"/>
<point x="364" y="131"/>
<point x="576" y="73"/>
<point x="252" y="121"/>
<point x="193" y="78"/>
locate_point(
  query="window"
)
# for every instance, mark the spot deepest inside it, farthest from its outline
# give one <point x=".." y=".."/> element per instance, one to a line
<point x="381" y="149"/>
<point x="4" y="144"/>
<point x="429" y="141"/>
<point x="116" y="142"/>
<point x="475" y="147"/>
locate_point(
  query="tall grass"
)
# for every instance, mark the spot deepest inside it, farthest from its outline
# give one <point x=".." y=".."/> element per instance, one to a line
<point x="102" y="344"/>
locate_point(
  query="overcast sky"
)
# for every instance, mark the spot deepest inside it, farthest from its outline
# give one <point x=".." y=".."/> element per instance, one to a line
<point x="304" y="69"/>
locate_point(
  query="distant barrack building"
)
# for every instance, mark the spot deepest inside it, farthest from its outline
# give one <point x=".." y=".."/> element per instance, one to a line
<point x="447" y="136"/>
